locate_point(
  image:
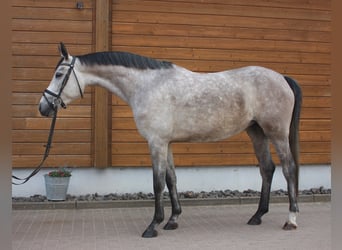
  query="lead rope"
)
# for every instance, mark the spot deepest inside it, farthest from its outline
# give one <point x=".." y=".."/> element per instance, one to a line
<point x="46" y="154"/>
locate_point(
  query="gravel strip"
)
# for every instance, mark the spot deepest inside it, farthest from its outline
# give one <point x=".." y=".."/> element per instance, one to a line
<point x="182" y="195"/>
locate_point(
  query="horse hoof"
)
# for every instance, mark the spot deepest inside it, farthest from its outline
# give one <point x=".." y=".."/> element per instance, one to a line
<point x="150" y="233"/>
<point x="289" y="226"/>
<point x="171" y="226"/>
<point x="254" y="221"/>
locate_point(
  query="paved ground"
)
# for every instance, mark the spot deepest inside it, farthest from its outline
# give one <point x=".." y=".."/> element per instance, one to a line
<point x="201" y="227"/>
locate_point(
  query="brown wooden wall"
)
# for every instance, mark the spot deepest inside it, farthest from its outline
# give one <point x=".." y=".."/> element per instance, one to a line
<point x="38" y="26"/>
<point x="290" y="36"/>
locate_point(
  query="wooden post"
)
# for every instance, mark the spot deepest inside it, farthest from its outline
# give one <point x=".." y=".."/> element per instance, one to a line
<point x="102" y="99"/>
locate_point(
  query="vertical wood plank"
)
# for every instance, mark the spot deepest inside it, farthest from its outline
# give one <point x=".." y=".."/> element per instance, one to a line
<point x="102" y="103"/>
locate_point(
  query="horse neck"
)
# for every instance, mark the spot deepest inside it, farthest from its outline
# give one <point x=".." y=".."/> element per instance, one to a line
<point x="119" y="80"/>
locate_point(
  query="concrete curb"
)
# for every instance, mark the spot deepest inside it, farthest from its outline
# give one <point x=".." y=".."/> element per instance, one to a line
<point x="150" y="203"/>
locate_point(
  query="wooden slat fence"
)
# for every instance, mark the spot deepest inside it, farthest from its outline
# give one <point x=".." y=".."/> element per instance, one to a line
<point x="38" y="26"/>
<point x="290" y="36"/>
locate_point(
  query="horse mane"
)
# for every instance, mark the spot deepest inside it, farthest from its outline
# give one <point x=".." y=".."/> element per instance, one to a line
<point x="125" y="59"/>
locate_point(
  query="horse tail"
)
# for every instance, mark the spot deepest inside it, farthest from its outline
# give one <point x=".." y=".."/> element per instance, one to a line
<point x="294" y="126"/>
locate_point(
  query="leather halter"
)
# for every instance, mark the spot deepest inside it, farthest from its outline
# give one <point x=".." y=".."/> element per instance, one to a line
<point x="58" y="100"/>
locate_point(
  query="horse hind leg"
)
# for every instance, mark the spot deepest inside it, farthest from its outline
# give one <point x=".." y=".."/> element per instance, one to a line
<point x="290" y="171"/>
<point x="267" y="167"/>
<point x="171" y="181"/>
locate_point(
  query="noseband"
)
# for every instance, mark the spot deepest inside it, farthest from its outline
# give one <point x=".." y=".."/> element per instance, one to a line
<point x="58" y="100"/>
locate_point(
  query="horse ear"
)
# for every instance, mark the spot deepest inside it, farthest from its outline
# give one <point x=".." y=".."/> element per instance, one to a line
<point x="62" y="49"/>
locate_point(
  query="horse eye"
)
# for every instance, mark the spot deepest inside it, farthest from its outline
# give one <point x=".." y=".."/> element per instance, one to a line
<point x="58" y="74"/>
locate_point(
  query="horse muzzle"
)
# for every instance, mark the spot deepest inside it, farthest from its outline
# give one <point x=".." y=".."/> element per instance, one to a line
<point x="46" y="110"/>
<point x="49" y="106"/>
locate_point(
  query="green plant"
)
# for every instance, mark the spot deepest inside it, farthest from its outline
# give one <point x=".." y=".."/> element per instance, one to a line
<point x="61" y="172"/>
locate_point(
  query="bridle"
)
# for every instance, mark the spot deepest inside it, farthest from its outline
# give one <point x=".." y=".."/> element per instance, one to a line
<point x="58" y="100"/>
<point x="54" y="105"/>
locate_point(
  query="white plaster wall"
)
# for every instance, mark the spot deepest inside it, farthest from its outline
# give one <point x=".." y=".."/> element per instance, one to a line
<point x="132" y="180"/>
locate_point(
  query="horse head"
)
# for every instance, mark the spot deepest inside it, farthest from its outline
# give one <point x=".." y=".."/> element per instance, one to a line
<point x="64" y="86"/>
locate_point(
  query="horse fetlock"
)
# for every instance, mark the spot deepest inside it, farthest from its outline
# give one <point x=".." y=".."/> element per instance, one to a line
<point x="293" y="218"/>
<point x="177" y="211"/>
<point x="158" y="219"/>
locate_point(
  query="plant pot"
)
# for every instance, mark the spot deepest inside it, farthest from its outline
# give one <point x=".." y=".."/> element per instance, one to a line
<point x="56" y="187"/>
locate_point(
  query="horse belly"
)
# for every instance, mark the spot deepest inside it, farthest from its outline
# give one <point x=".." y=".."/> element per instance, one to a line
<point x="208" y="124"/>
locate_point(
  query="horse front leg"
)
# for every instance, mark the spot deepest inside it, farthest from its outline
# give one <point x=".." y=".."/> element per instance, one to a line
<point x="171" y="181"/>
<point x="159" y="165"/>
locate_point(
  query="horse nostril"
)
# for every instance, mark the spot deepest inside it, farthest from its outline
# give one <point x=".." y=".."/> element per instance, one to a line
<point x="43" y="111"/>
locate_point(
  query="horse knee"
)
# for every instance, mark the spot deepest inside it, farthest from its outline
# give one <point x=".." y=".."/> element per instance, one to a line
<point x="159" y="218"/>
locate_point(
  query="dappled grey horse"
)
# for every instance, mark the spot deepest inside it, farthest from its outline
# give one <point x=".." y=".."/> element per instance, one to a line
<point x="173" y="104"/>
